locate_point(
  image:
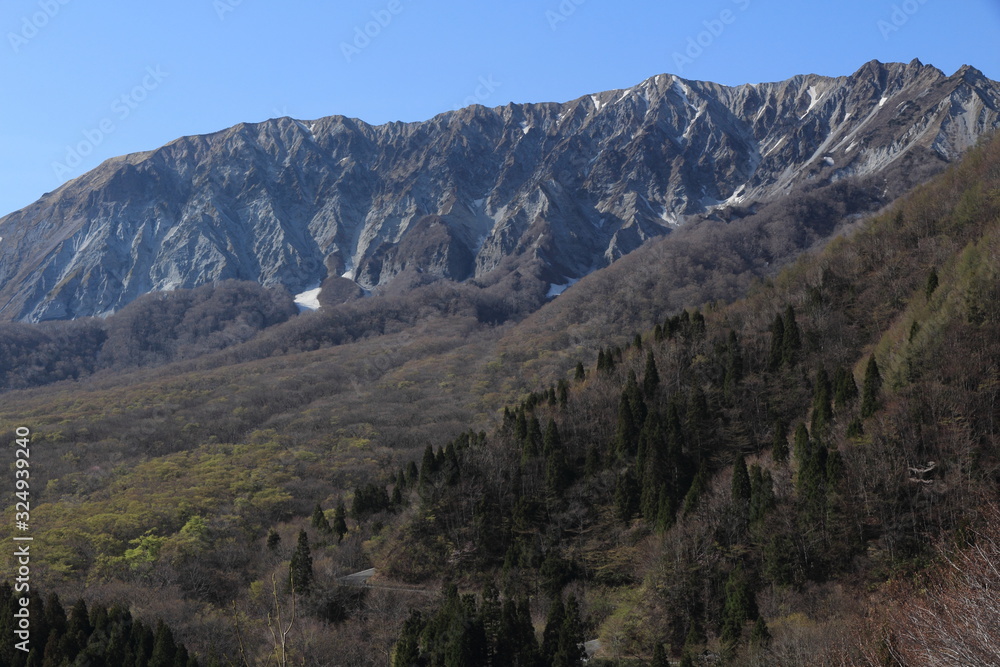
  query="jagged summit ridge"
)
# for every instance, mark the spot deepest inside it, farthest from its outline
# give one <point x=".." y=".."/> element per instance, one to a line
<point x="567" y="187"/>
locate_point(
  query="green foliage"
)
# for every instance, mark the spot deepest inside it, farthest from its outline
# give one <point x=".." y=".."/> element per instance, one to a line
<point x="762" y="499"/>
<point x="803" y="444"/>
<point x="569" y="649"/>
<point x="562" y="393"/>
<point x="319" y="520"/>
<point x="407" y="652"/>
<point x="791" y="341"/>
<point x="871" y="388"/>
<point x="932" y="284"/>
<point x="845" y="389"/>
<point x="300" y="569"/>
<point x="89" y="635"/>
<point x="164" y="648"/>
<point x="516" y="643"/>
<point x="625" y="496"/>
<point x="466" y="632"/>
<point x="632" y="413"/>
<point x="760" y="636"/>
<point x="273" y="539"/>
<point x="198" y="447"/>
<point x="659" y="656"/>
<point x="605" y="361"/>
<point x="740" y="607"/>
<point x="370" y="499"/>
<point x="695" y="492"/>
<point x="340" y="521"/>
<point x="650" y="376"/>
<point x="145" y="549"/>
<point x="822" y="408"/>
<point x="553" y="626"/>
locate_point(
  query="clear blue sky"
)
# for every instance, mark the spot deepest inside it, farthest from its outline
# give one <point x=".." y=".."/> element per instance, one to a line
<point x="196" y="66"/>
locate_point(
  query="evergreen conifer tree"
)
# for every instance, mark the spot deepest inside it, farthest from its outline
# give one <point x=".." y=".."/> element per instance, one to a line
<point x="273" y="539"/>
<point x="558" y="475"/>
<point x="740" y="607"/>
<point x="779" y="443"/>
<point x="871" y="388"/>
<point x="551" y="441"/>
<point x="407" y="653"/>
<point x="802" y="444"/>
<point x="697" y="325"/>
<point x="844" y="388"/>
<point x="694" y="493"/>
<point x="516" y="641"/>
<point x="164" y="647"/>
<point x="340" y="521"/>
<point x="55" y="615"/>
<point x="553" y="628"/>
<point x="665" y="513"/>
<point x="932" y="284"/>
<point x="760" y="636"/>
<point x="791" y="341"/>
<point x="651" y="376"/>
<point x="659" y="656"/>
<point x="761" y="493"/>
<point x="822" y="410"/>
<point x="625" y="496"/>
<point x="533" y="440"/>
<point x="626" y="431"/>
<point x="319" y="521"/>
<point x="570" y="652"/>
<point x="300" y="569"/>
<point x="428" y="469"/>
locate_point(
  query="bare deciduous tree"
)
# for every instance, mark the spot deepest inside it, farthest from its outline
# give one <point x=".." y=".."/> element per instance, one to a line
<point x="957" y="620"/>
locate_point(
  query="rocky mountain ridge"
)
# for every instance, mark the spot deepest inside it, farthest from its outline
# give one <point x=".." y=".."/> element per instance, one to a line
<point x="568" y="187"/>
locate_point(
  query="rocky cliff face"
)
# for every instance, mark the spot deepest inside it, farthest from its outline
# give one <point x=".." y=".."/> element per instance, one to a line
<point x="572" y="185"/>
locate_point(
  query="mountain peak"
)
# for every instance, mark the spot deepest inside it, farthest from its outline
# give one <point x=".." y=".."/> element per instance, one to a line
<point x="971" y="74"/>
<point x="561" y="189"/>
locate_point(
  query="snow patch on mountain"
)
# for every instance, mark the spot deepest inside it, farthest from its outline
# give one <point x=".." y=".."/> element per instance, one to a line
<point x="308" y="300"/>
<point x="556" y="290"/>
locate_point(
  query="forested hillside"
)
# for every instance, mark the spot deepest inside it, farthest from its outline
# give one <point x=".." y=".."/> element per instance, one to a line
<point x="97" y="635"/>
<point x="753" y="481"/>
<point x="802" y="476"/>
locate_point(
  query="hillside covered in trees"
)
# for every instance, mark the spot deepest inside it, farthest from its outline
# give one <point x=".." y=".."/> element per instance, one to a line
<point x="801" y="476"/>
<point x="761" y="480"/>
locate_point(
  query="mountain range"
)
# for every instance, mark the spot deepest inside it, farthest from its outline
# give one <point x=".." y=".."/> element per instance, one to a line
<point x="474" y="194"/>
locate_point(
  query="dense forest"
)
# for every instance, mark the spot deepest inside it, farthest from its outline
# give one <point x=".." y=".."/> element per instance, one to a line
<point x="155" y="329"/>
<point x="806" y="475"/>
<point x="95" y="636"/>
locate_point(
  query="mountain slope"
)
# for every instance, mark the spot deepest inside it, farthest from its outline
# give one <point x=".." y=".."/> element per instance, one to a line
<point x="568" y="187"/>
<point x="161" y="486"/>
<point x="664" y="490"/>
